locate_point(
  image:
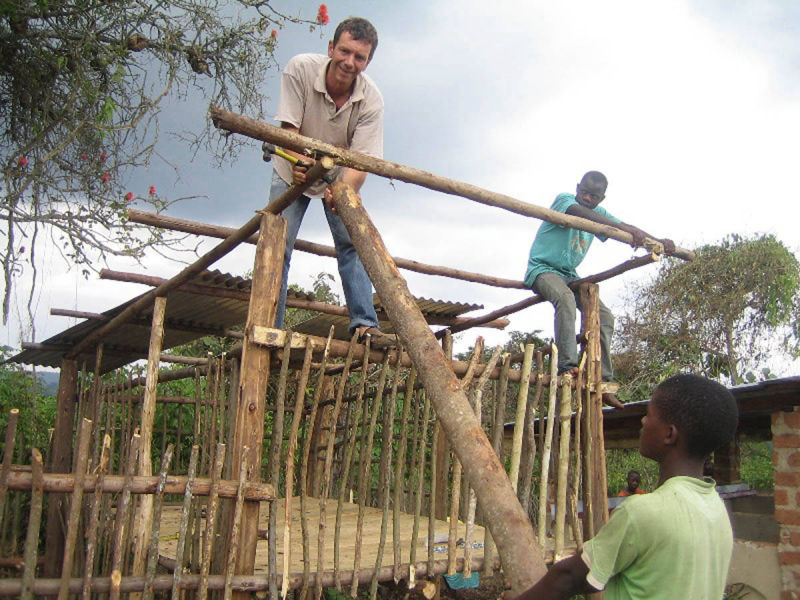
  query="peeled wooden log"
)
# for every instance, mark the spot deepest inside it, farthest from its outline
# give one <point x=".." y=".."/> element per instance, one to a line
<point x="520" y="554"/>
<point x="235" y="123"/>
<point x="218" y="231"/>
<point x="140" y="484"/>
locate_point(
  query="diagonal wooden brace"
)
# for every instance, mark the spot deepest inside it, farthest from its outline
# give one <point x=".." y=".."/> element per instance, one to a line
<point x="520" y="554"/>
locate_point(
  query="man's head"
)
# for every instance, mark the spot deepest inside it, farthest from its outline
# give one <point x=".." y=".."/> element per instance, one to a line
<point x="592" y="189"/>
<point x="692" y="413"/>
<point x="359" y="29"/>
<point x="633" y="479"/>
<point x="350" y="51"/>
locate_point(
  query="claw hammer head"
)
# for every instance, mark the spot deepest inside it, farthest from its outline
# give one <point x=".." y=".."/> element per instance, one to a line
<point x="269" y="149"/>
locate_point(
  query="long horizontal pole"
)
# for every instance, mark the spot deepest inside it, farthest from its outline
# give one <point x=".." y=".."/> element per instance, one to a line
<point x="322" y="307"/>
<point x="201" y="264"/>
<point x="235" y="123"/>
<point x="140" y="484"/>
<point x="241" y="583"/>
<point x="218" y="231"/>
<point x="634" y="263"/>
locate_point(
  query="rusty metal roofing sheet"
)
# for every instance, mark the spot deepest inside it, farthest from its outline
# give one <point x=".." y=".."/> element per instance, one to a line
<point x="190" y="316"/>
<point x="320" y="325"/>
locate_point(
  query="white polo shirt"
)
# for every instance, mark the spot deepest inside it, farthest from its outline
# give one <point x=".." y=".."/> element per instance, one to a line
<point x="306" y="104"/>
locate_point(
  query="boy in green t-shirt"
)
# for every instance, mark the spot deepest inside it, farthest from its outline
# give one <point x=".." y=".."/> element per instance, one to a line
<point x="675" y="542"/>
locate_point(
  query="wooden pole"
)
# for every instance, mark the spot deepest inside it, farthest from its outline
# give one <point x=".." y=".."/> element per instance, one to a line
<point x="299" y="398"/>
<point x="84" y="441"/>
<point x="565" y="413"/>
<point x="152" y="555"/>
<point x="510" y="526"/>
<point x="94" y="518"/>
<point x="519" y="422"/>
<point x="8" y="454"/>
<point x="60" y="462"/>
<point x="628" y="265"/>
<point x="529" y="438"/>
<point x="218" y="231"/>
<point x="590" y="313"/>
<point x="144" y="512"/>
<point x="364" y="478"/>
<point x="255" y="369"/>
<point x="384" y="483"/>
<point x="548" y="443"/>
<point x="34" y="521"/>
<point x="232" y="122"/>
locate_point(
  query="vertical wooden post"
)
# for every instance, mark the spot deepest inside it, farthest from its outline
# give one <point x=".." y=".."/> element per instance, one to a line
<point x="264" y="293"/>
<point x="590" y="311"/>
<point x="144" y="513"/>
<point x="60" y="462"/>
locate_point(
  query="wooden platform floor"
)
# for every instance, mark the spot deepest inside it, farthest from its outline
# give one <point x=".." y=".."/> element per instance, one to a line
<point x="170" y="519"/>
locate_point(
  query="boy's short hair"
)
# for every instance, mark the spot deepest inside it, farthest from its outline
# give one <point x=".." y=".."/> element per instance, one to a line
<point x="633" y="472"/>
<point x="595" y="177"/>
<point x="703" y="411"/>
<point x="359" y="29"/>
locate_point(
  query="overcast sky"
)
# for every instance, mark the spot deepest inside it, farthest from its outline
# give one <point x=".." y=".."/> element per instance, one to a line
<point x="692" y="110"/>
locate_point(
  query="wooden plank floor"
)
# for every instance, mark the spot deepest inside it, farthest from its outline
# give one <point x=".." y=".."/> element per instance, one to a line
<point x="170" y="519"/>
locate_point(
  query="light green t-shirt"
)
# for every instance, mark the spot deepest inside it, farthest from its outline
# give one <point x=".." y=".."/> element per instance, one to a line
<point x="673" y="543"/>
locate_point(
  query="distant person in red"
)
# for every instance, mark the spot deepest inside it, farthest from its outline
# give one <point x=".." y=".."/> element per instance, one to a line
<point x="634" y="481"/>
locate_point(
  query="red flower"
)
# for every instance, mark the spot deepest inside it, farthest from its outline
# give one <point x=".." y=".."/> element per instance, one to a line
<point x="152" y="190"/>
<point x="128" y="196"/>
<point x="84" y="156"/>
<point x="103" y="157"/>
<point x="22" y="161"/>
<point x="322" y="15"/>
<point x="274" y="34"/>
<point x="105" y="178"/>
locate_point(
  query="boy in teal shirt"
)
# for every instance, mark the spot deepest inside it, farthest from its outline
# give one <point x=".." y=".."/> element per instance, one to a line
<point x="675" y="542"/>
<point x="556" y="253"/>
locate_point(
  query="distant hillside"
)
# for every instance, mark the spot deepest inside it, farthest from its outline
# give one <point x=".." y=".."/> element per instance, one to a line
<point x="49" y="381"/>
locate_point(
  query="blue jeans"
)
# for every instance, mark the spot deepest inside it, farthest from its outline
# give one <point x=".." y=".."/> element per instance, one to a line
<point x="553" y="288"/>
<point x="355" y="281"/>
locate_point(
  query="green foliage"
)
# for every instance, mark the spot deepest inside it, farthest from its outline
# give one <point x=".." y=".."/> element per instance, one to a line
<point x="82" y="85"/>
<point x="722" y="315"/>
<point x="756" y="468"/>
<point x="18" y="389"/>
<point x="320" y="291"/>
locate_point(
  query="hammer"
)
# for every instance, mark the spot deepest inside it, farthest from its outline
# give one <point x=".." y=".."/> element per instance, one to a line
<point x="270" y="149"/>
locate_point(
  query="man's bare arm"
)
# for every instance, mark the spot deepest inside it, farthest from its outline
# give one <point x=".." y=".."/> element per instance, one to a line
<point x="638" y="234"/>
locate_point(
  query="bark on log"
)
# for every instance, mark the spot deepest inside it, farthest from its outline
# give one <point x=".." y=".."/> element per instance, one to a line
<point x="64" y="483"/>
<point x="60" y="462"/>
<point x="191" y="581"/>
<point x="218" y="231"/>
<point x="520" y="554"/>
<point x="634" y="263"/>
<point x="234" y="123"/>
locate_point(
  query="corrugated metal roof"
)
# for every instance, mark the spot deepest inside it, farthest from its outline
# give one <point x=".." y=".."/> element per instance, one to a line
<point x="320" y="325"/>
<point x="190" y="316"/>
